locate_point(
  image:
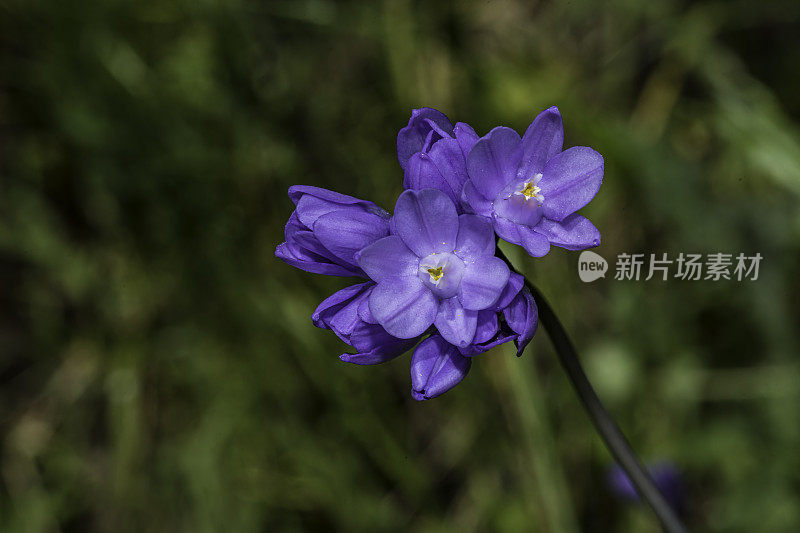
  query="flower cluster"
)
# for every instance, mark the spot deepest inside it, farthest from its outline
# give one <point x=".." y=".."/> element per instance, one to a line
<point x="432" y="276"/>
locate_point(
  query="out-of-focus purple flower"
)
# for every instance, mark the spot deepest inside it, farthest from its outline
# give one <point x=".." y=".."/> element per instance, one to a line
<point x="438" y="268"/>
<point x="326" y="230"/>
<point x="666" y="476"/>
<point x="433" y="153"/>
<point x="530" y="189"/>
<point x="436" y="367"/>
<point x="346" y="312"/>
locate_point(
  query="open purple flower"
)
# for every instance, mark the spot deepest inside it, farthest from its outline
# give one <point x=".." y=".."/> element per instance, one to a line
<point x="346" y="312"/>
<point x="438" y="268"/>
<point x="531" y="189"/>
<point x="433" y="153"/>
<point x="327" y="229"/>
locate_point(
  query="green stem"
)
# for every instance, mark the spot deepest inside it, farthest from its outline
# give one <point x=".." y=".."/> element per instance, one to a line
<point x="613" y="438"/>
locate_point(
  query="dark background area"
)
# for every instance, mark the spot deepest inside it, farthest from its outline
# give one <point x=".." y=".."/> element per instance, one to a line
<point x="159" y="368"/>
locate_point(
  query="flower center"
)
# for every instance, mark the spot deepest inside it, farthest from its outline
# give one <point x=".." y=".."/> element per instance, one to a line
<point x="530" y="190"/>
<point x="521" y="201"/>
<point x="441" y="273"/>
<point x="435" y="273"/>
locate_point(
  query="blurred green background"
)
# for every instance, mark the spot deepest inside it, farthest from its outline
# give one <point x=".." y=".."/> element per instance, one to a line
<point x="159" y="368"/>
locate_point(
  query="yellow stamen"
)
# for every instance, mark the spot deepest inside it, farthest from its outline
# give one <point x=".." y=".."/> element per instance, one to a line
<point x="436" y="273"/>
<point x="530" y="190"/>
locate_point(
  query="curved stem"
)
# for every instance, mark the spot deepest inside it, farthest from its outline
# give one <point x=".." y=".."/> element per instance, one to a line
<point x="615" y="441"/>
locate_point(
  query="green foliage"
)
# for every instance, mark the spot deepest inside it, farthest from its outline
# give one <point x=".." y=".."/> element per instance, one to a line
<point x="160" y="369"/>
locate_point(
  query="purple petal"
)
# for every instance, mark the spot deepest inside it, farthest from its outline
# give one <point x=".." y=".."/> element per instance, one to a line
<point x="427" y="221"/>
<point x="344" y="322"/>
<point x="523" y="317"/>
<point x="474" y="202"/>
<point x="456" y="324"/>
<point x="346" y="232"/>
<point x="334" y="303"/>
<point x="375" y="345"/>
<point x="422" y="173"/>
<point x="436" y="367"/>
<point x="411" y="138"/>
<point x="512" y="288"/>
<point x="543" y="139"/>
<point x="534" y="243"/>
<point x="486" y="327"/>
<point x="296" y="192"/>
<point x="403" y="306"/>
<point x="446" y="154"/>
<point x="378" y="355"/>
<point x="465" y="136"/>
<point x="475" y="237"/>
<point x="573" y="233"/>
<point x="388" y="257"/>
<point x="506" y="230"/>
<point x="375" y="357"/>
<point x="493" y="161"/>
<point x="483" y="281"/>
<point x="313" y="202"/>
<point x="293" y="225"/>
<point x="309" y="262"/>
<point x="477" y="349"/>
<point x="364" y="313"/>
<point x="369" y="358"/>
<point x="570" y="180"/>
<point x="305" y="242"/>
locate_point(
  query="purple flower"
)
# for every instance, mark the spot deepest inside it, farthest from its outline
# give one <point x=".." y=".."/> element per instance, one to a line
<point x="347" y="313"/>
<point x="666" y="476"/>
<point x="438" y="268"/>
<point x="436" y="367"/>
<point x="433" y="153"/>
<point x="513" y="318"/>
<point x="522" y="317"/>
<point x="327" y="229"/>
<point x="531" y="189"/>
<point x="432" y="270"/>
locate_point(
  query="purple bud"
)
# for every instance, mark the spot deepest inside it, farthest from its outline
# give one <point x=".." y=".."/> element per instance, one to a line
<point x="327" y="229"/>
<point x="433" y="153"/>
<point x="436" y="367"/>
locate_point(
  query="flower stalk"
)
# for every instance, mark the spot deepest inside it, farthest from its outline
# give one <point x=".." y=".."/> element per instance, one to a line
<point x="612" y="436"/>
